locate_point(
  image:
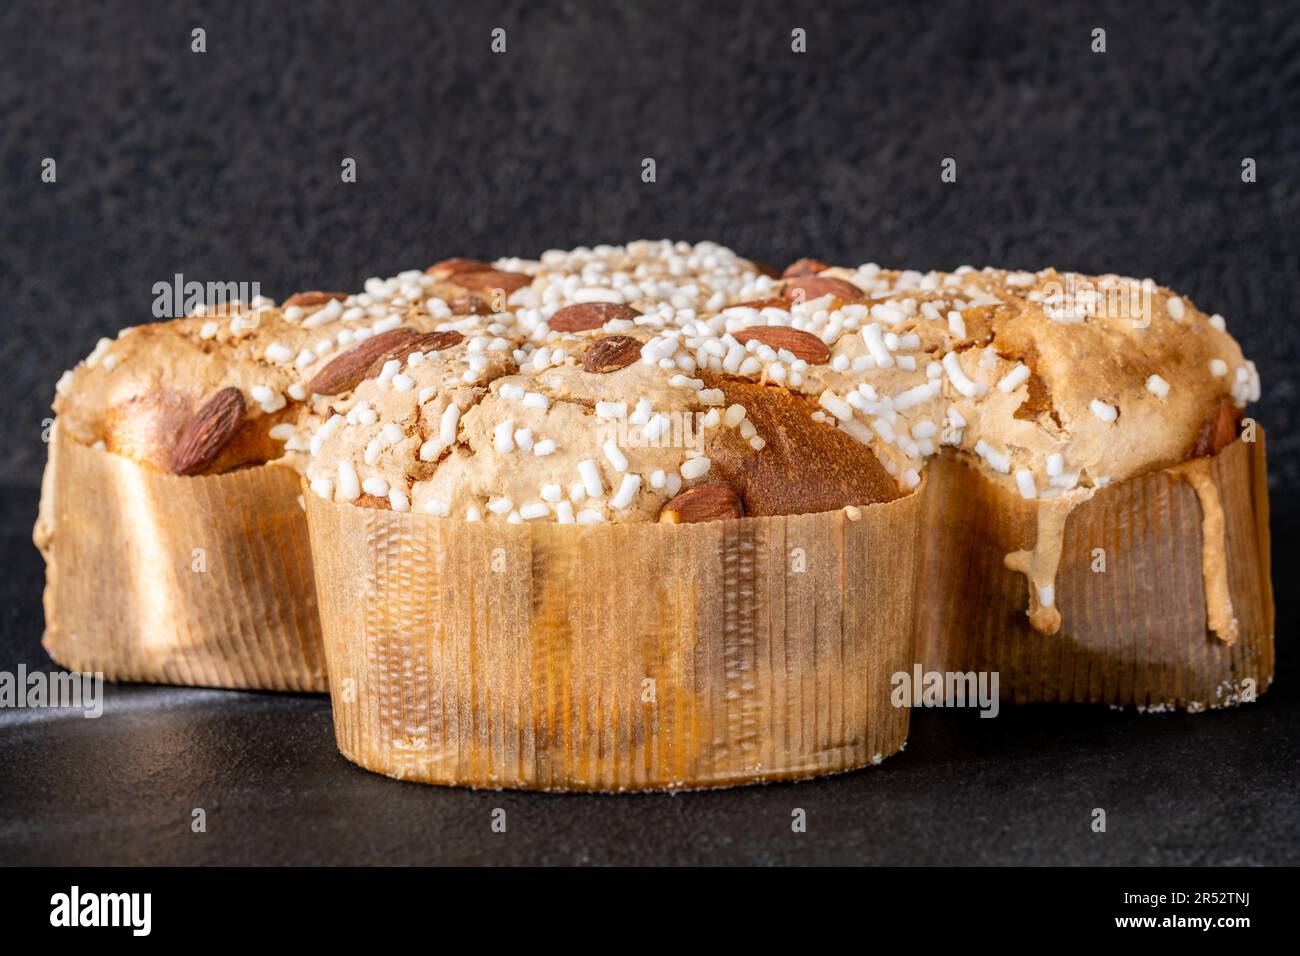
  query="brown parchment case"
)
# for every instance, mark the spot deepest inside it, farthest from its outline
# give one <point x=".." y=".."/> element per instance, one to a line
<point x="153" y="577"/>
<point x="1134" y="634"/>
<point x="615" y="657"/>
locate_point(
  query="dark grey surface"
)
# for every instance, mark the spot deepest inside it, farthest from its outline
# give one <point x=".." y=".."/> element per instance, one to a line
<point x="225" y="167"/>
<point x="1207" y="789"/>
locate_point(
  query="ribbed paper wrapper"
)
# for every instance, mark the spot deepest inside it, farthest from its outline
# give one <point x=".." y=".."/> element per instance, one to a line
<point x="615" y="657"/>
<point x="201" y="581"/>
<point x="1135" y="634"/>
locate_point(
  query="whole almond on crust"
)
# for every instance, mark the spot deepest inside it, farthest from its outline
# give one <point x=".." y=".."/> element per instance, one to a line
<point x="450" y="267"/>
<point x="308" y="299"/>
<point x="589" y="315"/>
<point x="485" y="279"/>
<point x="467" y="304"/>
<point x="814" y="287"/>
<point x="429" y="342"/>
<point x="805" y="267"/>
<point x="803" y="344"/>
<point x="715" y="502"/>
<point x="202" y="439"/>
<point x="349" y="369"/>
<point x="611" y="353"/>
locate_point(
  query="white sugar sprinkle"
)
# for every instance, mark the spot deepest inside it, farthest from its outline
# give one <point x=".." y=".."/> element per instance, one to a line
<point x="349" y="489"/>
<point x="693" y="468"/>
<point x="875" y="343"/>
<point x="626" y="491"/>
<point x="1014" y="378"/>
<point x="590" y="476"/>
<point x="957" y="325"/>
<point x="1025" y="482"/>
<point x="503" y="436"/>
<point x="1107" y="413"/>
<point x="615" y="455"/>
<point x="447" y="424"/>
<point x="835" y="405"/>
<point x="959" y="379"/>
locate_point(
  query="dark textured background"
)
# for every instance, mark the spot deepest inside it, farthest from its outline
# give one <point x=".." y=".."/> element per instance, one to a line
<point x="225" y="166"/>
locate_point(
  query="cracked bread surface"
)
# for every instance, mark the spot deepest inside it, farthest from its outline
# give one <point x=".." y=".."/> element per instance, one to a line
<point x="133" y="395"/>
<point x="1052" y="384"/>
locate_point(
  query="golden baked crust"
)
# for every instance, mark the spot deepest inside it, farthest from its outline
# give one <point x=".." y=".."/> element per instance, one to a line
<point x="711" y="369"/>
<point x="1052" y="384"/>
<point x="135" y="394"/>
